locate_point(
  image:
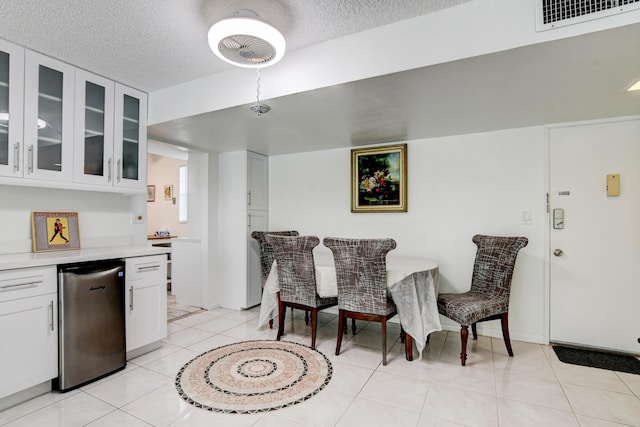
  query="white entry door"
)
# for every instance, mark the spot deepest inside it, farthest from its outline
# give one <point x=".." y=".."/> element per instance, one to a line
<point x="595" y="237"/>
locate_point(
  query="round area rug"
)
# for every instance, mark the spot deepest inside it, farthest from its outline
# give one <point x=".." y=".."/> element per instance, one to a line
<point x="253" y="376"/>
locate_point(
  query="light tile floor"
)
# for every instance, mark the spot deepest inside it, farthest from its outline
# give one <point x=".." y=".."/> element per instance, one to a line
<point x="176" y="311"/>
<point x="531" y="389"/>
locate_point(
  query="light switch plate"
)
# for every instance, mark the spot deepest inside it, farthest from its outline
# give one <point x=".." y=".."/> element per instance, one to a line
<point x="613" y="185"/>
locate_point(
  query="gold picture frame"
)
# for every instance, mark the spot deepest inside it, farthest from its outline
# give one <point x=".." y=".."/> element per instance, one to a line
<point x="151" y="193"/>
<point x="168" y="192"/>
<point x="379" y="179"/>
<point x="54" y="231"/>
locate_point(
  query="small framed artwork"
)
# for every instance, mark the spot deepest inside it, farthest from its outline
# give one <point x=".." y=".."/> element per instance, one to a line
<point x="379" y="179"/>
<point x="168" y="192"/>
<point x="54" y="231"/>
<point x="151" y="193"/>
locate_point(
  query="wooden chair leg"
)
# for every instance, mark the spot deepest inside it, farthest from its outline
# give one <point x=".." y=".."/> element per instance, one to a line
<point x="504" y="319"/>
<point x="306" y="318"/>
<point x="340" y="331"/>
<point x="408" y="347"/>
<point x="270" y="323"/>
<point x="314" y="325"/>
<point x="353" y="326"/>
<point x="383" y="323"/>
<point x="474" y="331"/>
<point x="464" y="334"/>
<point x="282" y="311"/>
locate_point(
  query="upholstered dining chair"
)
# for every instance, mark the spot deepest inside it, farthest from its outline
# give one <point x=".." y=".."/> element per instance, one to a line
<point x="488" y="298"/>
<point x="297" y="279"/>
<point x="361" y="272"/>
<point x="266" y="253"/>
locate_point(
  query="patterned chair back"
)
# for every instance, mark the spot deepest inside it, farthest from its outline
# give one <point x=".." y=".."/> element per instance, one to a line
<point x="296" y="271"/>
<point x="266" y="251"/>
<point x="361" y="271"/>
<point x="494" y="263"/>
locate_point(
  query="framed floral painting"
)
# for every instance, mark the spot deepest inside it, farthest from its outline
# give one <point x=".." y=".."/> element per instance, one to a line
<point x="379" y="179"/>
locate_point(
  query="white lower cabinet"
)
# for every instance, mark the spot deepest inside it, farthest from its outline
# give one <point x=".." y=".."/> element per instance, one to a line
<point x="28" y="328"/>
<point x="145" y="302"/>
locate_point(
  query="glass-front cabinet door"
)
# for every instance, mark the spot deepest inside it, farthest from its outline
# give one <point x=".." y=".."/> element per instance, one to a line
<point x="48" y="118"/>
<point x="93" y="143"/>
<point x="11" y="84"/>
<point x="130" y="137"/>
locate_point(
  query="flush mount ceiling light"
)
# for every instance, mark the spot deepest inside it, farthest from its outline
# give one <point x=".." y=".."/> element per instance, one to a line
<point x="634" y="87"/>
<point x="245" y="41"/>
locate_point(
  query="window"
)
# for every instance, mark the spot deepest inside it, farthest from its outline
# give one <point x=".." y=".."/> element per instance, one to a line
<point x="182" y="195"/>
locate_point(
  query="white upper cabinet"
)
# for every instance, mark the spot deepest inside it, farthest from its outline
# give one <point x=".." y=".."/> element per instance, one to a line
<point x="48" y="118"/>
<point x="11" y="108"/>
<point x="111" y="133"/>
<point x="64" y="127"/>
<point x="130" y="136"/>
<point x="93" y="144"/>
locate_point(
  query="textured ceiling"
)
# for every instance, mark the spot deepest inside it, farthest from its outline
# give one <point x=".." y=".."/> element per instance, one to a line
<point x="152" y="44"/>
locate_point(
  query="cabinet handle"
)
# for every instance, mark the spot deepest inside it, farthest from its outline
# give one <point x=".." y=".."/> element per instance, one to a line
<point x="30" y="160"/>
<point x="118" y="172"/>
<point x="51" y="322"/>
<point x="249" y="221"/>
<point x="30" y="284"/>
<point x="249" y="198"/>
<point x="16" y="157"/>
<point x="109" y="169"/>
<point x="131" y="298"/>
<point x="141" y="268"/>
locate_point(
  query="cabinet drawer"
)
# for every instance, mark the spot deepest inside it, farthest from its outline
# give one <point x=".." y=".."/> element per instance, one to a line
<point x="146" y="268"/>
<point x="27" y="282"/>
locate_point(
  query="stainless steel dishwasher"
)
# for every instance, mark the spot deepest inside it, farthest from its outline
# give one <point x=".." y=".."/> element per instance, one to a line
<point x="91" y="322"/>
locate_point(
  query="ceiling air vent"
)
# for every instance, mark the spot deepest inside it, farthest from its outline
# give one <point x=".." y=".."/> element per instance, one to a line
<point x="556" y="13"/>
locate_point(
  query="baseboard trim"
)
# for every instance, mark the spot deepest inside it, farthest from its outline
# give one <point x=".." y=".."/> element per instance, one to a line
<point x="24" y="395"/>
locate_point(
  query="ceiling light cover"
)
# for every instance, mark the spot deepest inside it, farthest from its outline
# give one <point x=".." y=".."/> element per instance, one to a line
<point x="246" y="42"/>
<point x="635" y="86"/>
<point x="4" y="117"/>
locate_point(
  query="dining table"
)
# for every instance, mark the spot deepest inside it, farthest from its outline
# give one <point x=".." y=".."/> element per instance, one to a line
<point x="412" y="283"/>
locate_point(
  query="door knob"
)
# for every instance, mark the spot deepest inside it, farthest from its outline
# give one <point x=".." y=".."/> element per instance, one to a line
<point x="558" y="252"/>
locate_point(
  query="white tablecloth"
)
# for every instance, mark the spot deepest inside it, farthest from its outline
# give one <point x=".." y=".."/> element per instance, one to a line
<point x="412" y="282"/>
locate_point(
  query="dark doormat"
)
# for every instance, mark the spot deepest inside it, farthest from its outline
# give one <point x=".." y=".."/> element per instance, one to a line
<point x="598" y="359"/>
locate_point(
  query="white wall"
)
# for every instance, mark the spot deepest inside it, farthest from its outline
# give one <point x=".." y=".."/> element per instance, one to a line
<point x="210" y="232"/>
<point x="104" y="218"/>
<point x="161" y="171"/>
<point x="458" y="186"/>
<point x="232" y="226"/>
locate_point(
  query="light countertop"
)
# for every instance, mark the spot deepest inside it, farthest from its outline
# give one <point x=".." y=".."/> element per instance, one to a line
<point x="40" y="259"/>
